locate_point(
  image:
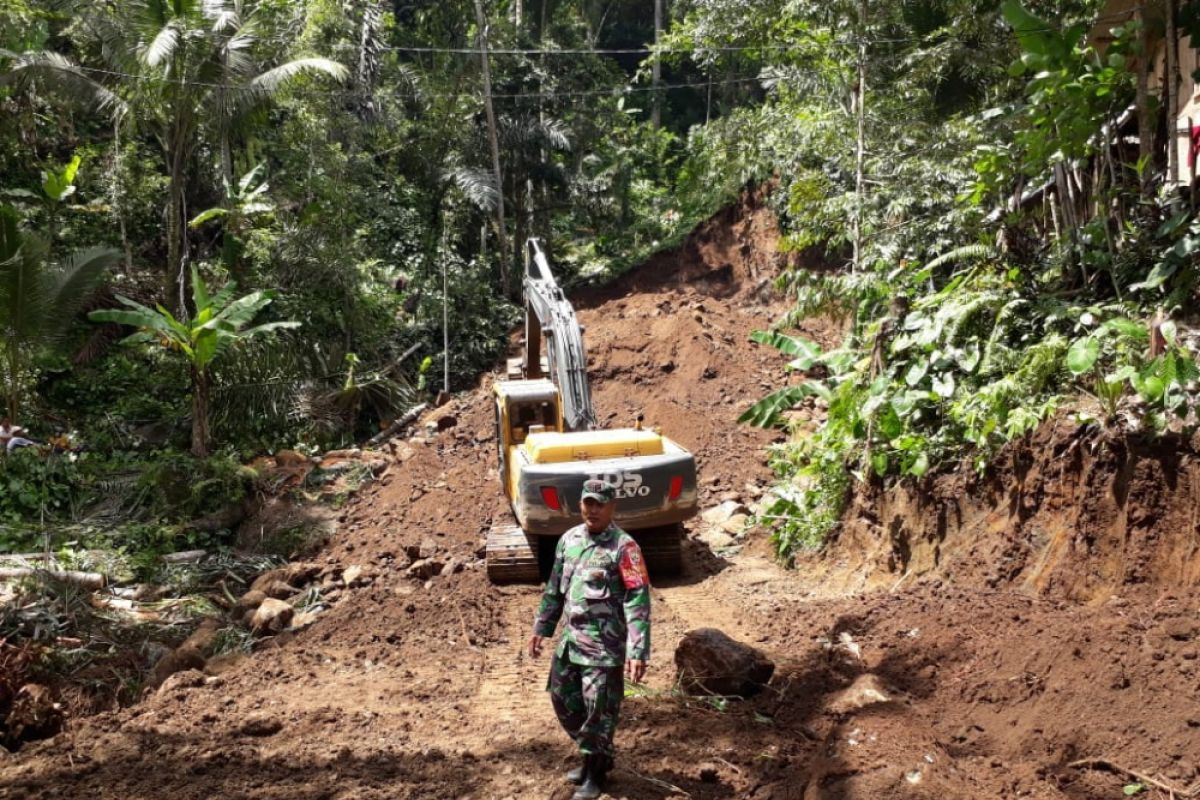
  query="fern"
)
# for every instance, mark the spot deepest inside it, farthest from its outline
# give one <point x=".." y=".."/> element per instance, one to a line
<point x="969" y="252"/>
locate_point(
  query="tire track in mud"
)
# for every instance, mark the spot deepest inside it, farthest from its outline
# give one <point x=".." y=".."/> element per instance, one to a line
<point x="510" y="679"/>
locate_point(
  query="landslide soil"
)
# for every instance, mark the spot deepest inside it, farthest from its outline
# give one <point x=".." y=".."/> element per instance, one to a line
<point x="930" y="652"/>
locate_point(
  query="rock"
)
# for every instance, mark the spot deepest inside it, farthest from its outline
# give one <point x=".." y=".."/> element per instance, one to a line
<point x="273" y="616"/>
<point x="261" y="725"/>
<point x="719" y="515"/>
<point x="483" y="436"/>
<point x="867" y="690"/>
<point x="429" y="548"/>
<point x="248" y="602"/>
<point x="425" y="568"/>
<point x="35" y="714"/>
<point x="404" y="453"/>
<point x="453" y="566"/>
<point x="187" y="679"/>
<point x="290" y="459"/>
<point x="352" y="573"/>
<point x="278" y="590"/>
<point x="305" y="618"/>
<point x="297" y="575"/>
<point x="708" y="661"/>
<point x="1180" y="629"/>
<point x="716" y="539"/>
<point x="735" y="524"/>
<point x="203" y="637"/>
<point x="180" y="659"/>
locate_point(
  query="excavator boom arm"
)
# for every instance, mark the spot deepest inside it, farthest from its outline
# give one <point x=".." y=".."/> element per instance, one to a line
<point x="550" y="322"/>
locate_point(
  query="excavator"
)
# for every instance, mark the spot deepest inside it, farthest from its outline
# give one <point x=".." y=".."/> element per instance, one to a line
<point x="549" y="443"/>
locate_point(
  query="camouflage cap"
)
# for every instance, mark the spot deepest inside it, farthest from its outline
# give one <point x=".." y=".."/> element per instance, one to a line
<point x="598" y="490"/>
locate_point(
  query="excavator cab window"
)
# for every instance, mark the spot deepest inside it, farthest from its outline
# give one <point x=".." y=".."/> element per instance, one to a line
<point x="525" y="416"/>
<point x="549" y="416"/>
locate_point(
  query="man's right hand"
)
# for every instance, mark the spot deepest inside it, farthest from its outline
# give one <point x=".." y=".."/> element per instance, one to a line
<point x="535" y="645"/>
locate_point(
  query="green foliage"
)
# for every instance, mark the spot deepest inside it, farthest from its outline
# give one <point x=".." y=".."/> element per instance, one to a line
<point x="1071" y="93"/>
<point x="38" y="299"/>
<point x="219" y="322"/>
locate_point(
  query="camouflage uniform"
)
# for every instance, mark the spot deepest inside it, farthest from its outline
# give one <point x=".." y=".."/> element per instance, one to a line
<point x="601" y="581"/>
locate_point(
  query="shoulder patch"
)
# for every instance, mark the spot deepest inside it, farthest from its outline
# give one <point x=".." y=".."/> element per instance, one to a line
<point x="633" y="567"/>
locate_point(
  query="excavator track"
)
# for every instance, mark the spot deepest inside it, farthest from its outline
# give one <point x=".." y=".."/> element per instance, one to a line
<point x="512" y="554"/>
<point x="662" y="547"/>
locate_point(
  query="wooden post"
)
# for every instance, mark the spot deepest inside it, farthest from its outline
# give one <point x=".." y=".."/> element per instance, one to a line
<point x="501" y="232"/>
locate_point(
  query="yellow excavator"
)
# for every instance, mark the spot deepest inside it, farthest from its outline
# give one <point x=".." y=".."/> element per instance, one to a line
<point x="548" y="443"/>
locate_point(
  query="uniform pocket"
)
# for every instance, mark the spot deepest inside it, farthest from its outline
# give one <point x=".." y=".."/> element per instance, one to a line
<point x="596" y="585"/>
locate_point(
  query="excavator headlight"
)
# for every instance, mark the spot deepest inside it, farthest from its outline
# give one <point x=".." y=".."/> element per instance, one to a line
<point x="550" y="498"/>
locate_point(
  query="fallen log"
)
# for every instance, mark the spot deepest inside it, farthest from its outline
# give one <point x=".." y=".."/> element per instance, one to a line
<point x="397" y="426"/>
<point x="88" y="580"/>
<point x="183" y="556"/>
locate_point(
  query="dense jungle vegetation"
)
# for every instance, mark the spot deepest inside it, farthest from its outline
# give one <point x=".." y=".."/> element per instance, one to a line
<point x="312" y="213"/>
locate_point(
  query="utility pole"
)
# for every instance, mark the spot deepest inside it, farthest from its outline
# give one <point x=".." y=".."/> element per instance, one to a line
<point x="444" y="257"/>
<point x="859" y="156"/>
<point x="656" y="112"/>
<point x="502" y="235"/>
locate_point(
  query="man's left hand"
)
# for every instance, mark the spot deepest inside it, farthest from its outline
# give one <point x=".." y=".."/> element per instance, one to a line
<point x="635" y="670"/>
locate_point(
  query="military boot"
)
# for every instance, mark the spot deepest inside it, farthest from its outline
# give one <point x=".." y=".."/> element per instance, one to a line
<point x="593" y="778"/>
<point x="577" y="775"/>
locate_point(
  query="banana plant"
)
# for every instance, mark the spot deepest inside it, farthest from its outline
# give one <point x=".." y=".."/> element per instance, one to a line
<point x="220" y="322"/>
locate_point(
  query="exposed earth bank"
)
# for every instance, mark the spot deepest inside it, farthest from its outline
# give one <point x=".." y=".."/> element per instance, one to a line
<point x="968" y="638"/>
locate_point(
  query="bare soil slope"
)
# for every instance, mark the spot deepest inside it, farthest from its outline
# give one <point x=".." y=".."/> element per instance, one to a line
<point x="912" y="663"/>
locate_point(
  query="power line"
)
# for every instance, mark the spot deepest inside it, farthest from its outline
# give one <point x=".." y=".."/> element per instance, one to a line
<point x="615" y="91"/>
<point x="649" y="51"/>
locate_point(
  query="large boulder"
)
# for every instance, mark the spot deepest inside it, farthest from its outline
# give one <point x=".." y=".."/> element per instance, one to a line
<point x="707" y="661"/>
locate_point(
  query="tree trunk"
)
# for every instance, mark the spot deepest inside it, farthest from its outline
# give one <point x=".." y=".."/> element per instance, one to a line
<point x="493" y="135"/>
<point x="200" y="433"/>
<point x="176" y="233"/>
<point x="14" y="377"/>
<point x="1145" y="122"/>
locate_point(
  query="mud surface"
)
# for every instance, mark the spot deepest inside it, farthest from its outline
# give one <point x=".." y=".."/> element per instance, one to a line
<point x="913" y="660"/>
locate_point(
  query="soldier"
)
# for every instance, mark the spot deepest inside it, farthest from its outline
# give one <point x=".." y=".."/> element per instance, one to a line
<point x="599" y="576"/>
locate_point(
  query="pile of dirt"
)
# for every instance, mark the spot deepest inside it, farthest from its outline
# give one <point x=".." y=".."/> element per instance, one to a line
<point x="912" y="659"/>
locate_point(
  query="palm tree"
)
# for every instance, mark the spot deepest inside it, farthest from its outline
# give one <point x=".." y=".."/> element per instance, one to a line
<point x="38" y="299"/>
<point x="220" y="321"/>
<point x="185" y="71"/>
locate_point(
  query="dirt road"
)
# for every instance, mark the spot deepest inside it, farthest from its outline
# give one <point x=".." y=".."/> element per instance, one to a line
<point x="946" y="685"/>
